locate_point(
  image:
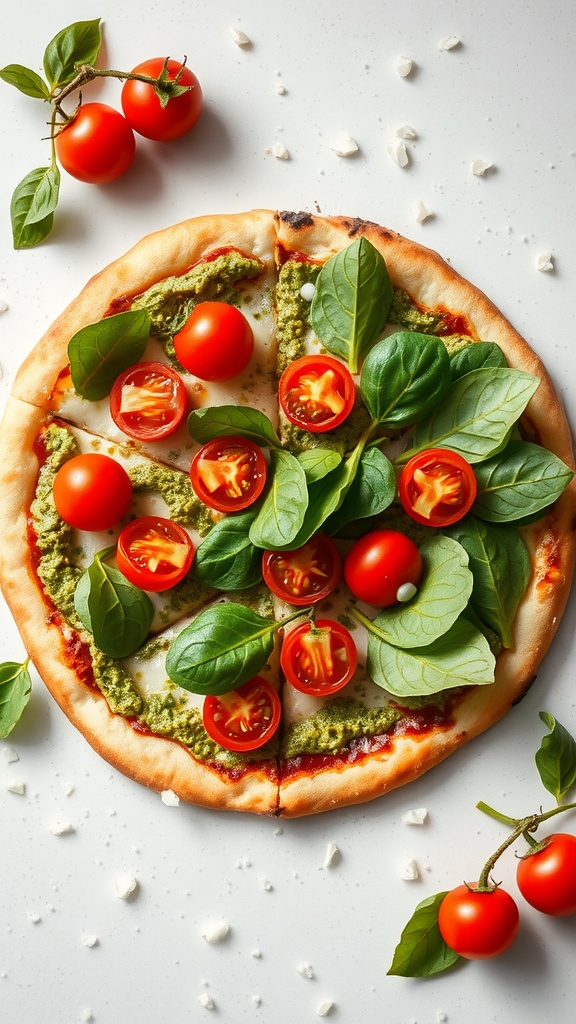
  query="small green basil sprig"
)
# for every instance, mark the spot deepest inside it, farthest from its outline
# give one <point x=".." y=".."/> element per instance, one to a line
<point x="15" y="690"/>
<point x="422" y="951"/>
<point x="117" y="613"/>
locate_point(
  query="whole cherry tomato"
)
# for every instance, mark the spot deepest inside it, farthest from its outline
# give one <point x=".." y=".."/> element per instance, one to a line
<point x="307" y="574"/>
<point x="379" y="564"/>
<point x="154" y="553"/>
<point x="316" y="392"/>
<point x="243" y="719"/>
<point x="228" y="473"/>
<point x="547" y="878"/>
<point x="319" y="658"/>
<point x="478" y="925"/>
<point x="215" y="343"/>
<point x="437" y="487"/>
<point x="92" y="491"/>
<point x="97" y="146"/>
<point x="148" y="401"/>
<point x="144" y="110"/>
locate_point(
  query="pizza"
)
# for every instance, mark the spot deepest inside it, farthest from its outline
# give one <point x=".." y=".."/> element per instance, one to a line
<point x="287" y="511"/>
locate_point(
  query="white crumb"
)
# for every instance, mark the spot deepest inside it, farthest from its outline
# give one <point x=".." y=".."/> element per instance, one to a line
<point x="10" y="754"/>
<point x="266" y="885"/>
<point x="256" y="1000"/>
<point x="422" y="212"/>
<point x="86" y="1016"/>
<point x="279" y="151"/>
<point x="3" y="306"/>
<point x="545" y="262"/>
<point x="61" y="828"/>
<point x="415" y="816"/>
<point x="305" y="969"/>
<point x="441" y="1017"/>
<point x="126" y="885"/>
<point x="408" y="870"/>
<point x="480" y="167"/>
<point x="256" y="954"/>
<point x="89" y="940"/>
<point x="205" y="1000"/>
<point x="344" y="145"/>
<point x="449" y="43"/>
<point x="332" y="855"/>
<point x="279" y="89"/>
<point x="170" y="798"/>
<point x="33" y="917"/>
<point x="240" y="38"/>
<point x="17" y="786"/>
<point x="405" y="131"/>
<point x="403" y="66"/>
<point x="326" y="1007"/>
<point x="398" y="152"/>
<point x="215" y="931"/>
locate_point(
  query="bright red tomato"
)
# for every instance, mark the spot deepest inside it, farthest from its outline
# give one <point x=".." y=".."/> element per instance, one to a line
<point x="243" y="719"/>
<point x="319" y="658"/>
<point x="228" y="473"/>
<point x="379" y="564"/>
<point x="97" y="146"/>
<point x="154" y="553"/>
<point x="92" y="491"/>
<point x="148" y="401"/>
<point x="437" y="487"/>
<point x="478" y="925"/>
<point x="216" y="342"/>
<point x="142" y="106"/>
<point x="306" y="575"/>
<point x="316" y="393"/>
<point x="547" y="879"/>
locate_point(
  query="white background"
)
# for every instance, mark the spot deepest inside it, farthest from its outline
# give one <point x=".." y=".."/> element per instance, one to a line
<point x="505" y="95"/>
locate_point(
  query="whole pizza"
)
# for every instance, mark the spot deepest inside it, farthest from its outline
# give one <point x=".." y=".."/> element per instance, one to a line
<point x="287" y="511"/>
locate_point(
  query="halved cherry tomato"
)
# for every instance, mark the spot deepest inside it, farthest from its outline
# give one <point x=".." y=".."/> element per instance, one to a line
<point x="154" y="553"/>
<point x="306" y="575"/>
<point x="381" y="563"/>
<point x="243" y="719"/>
<point x="216" y="342"/>
<point x="92" y="491"/>
<point x="316" y="393"/>
<point x="148" y="401"/>
<point x="228" y="473"/>
<point x="437" y="487"/>
<point x="319" y="658"/>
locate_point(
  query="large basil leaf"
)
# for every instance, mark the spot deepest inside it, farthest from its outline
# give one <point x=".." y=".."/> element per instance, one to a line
<point x="374" y="490"/>
<point x="226" y="558"/>
<point x="15" y="689"/>
<point x="556" y="758"/>
<point x="460" y="657"/>
<point x="224" y="420"/>
<point x="421" y="950"/>
<point x="519" y="481"/>
<point x="26" y="80"/>
<point x="403" y="377"/>
<point x="79" y="43"/>
<point x="117" y="613"/>
<point x="282" y="512"/>
<point x="101" y="351"/>
<point x="501" y="567"/>
<point x="352" y="301"/>
<point x="26" y="200"/>
<point x="475" y="356"/>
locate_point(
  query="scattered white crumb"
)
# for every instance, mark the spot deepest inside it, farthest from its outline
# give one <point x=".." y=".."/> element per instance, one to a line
<point x="240" y="38"/>
<point x="405" y="131"/>
<point x="332" y="855"/>
<point x="3" y="306"/>
<point x="326" y="1007"/>
<point x="415" y="816"/>
<point x="61" y="828"/>
<point x="279" y="88"/>
<point x="266" y="885"/>
<point x="422" y="212"/>
<point x="256" y="1000"/>
<point x="125" y="885"/>
<point x="408" y="870"/>
<point x="33" y="917"/>
<point x="15" y="786"/>
<point x="256" y="954"/>
<point x="279" y="151"/>
<point x="441" y="1017"/>
<point x="280" y="831"/>
<point x="403" y="66"/>
<point x="344" y="145"/>
<point x="86" y="1015"/>
<point x="307" y="292"/>
<point x="449" y="43"/>
<point x="305" y="969"/>
<point x="89" y="940"/>
<point x="480" y="167"/>
<point x="398" y="152"/>
<point x="205" y="1000"/>
<point x="10" y="754"/>
<point x="545" y="262"/>
<point x="68" y="788"/>
<point x="170" y="798"/>
<point x="215" y="931"/>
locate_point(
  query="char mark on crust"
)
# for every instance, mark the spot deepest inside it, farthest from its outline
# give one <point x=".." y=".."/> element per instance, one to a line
<point x="527" y="686"/>
<point x="297" y="220"/>
<point x="358" y="225"/>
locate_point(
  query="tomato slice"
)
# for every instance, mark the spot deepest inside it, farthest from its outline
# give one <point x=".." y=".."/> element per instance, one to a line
<point x="154" y="553"/>
<point x="148" y="401"/>
<point x="243" y="719"/>
<point x="228" y="473"/>
<point x="437" y="487"/>
<point x="316" y="393"/>
<point x="319" y="658"/>
<point x="307" y="574"/>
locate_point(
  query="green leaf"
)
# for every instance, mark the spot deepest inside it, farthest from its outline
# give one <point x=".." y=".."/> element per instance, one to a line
<point x="421" y="950"/>
<point x="476" y="356"/>
<point x="282" y="512"/>
<point x="556" y="758"/>
<point x="118" y="614"/>
<point x="27" y="198"/>
<point x="352" y="301"/>
<point x="318" y="462"/>
<point x="15" y="689"/>
<point x="519" y="481"/>
<point x="221" y="649"/>
<point x="79" y="43"/>
<point x="221" y="421"/>
<point x="373" y="491"/>
<point x="101" y="351"/>
<point x="325" y="496"/>
<point x="404" y="376"/>
<point x="26" y="81"/>
<point x="227" y="559"/>
<point x="45" y="198"/>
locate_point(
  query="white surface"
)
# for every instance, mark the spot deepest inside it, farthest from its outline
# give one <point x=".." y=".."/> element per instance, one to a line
<point x="505" y="96"/>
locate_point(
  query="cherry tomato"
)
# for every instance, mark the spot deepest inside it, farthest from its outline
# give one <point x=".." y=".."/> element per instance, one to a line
<point x="306" y="575"/>
<point x="148" y="401"/>
<point x="144" y="111"/>
<point x="228" y="473"/>
<point x="92" y="491"/>
<point x="216" y="342"/>
<point x="97" y="146"/>
<point x="316" y="393"/>
<point x="547" y="879"/>
<point x="319" y="658"/>
<point x="243" y="719"/>
<point x="478" y="925"/>
<point x="379" y="564"/>
<point x="154" y="553"/>
<point x="437" y="487"/>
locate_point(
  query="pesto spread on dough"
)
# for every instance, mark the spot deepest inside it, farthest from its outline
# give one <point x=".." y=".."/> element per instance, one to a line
<point x="292" y="311"/>
<point x="335" y="725"/>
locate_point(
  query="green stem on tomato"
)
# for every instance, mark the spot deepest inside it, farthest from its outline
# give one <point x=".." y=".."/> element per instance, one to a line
<point x="87" y="73"/>
<point x="521" y="827"/>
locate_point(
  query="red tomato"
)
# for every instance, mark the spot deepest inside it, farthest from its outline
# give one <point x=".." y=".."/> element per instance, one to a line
<point x="437" y="487"/>
<point x="547" y="879"/>
<point x="216" y="342"/>
<point x="478" y="925"/>
<point x="306" y="575"/>
<point x="316" y="393"/>
<point x="97" y="146"/>
<point x="92" y="491"/>
<point x="228" y="473"/>
<point x="243" y="719"/>
<point x="144" y="111"/>
<point x="319" y="658"/>
<point x="148" y="401"/>
<point x="154" y="553"/>
<point x="379" y="564"/>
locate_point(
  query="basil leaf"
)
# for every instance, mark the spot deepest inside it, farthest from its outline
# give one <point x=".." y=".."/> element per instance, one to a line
<point x="403" y="377"/>
<point x="326" y="495"/>
<point x="15" y="689"/>
<point x="501" y="568"/>
<point x="117" y="613"/>
<point x="519" y="481"/>
<point x="223" y="648"/>
<point x="227" y="559"/>
<point x="79" y="43"/>
<point x="318" y="462"/>
<point x="374" y="490"/>
<point x="556" y="758"/>
<point x="352" y="301"/>
<point x="101" y="351"/>
<point x="286" y="499"/>
<point x="45" y="198"/>
<point x="477" y="414"/>
<point x="443" y="595"/>
<point x="26" y="80"/>
<point x="26" y="233"/>
<point x="460" y="657"/>
<point x="475" y="356"/>
<point x="224" y="420"/>
<point x="421" y="950"/>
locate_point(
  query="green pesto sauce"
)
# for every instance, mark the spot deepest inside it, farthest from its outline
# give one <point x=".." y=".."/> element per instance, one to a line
<point x="407" y="314"/>
<point x="335" y="725"/>
<point x="175" y="487"/>
<point x="292" y="311"/>
<point x="342" y="439"/>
